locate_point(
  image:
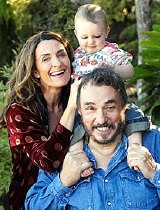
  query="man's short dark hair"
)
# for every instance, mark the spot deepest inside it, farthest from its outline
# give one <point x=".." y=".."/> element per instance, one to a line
<point x="104" y="75"/>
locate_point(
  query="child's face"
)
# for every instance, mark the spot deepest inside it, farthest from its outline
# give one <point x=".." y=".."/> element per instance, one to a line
<point x="91" y="36"/>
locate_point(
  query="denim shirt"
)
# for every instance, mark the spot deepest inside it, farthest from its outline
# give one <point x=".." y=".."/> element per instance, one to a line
<point x="117" y="188"/>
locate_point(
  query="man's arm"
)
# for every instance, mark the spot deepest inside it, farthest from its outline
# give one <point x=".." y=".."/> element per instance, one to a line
<point x="52" y="190"/>
<point x="48" y="193"/>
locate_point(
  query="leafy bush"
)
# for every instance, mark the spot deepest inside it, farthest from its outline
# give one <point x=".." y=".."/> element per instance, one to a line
<point x="5" y="163"/>
<point x="149" y="71"/>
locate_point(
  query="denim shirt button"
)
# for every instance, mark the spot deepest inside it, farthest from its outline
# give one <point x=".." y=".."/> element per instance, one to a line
<point x="106" y="180"/>
<point x="158" y="181"/>
<point x="67" y="194"/>
<point x="109" y="203"/>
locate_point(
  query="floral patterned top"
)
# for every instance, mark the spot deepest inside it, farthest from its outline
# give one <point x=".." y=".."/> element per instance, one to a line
<point x="111" y="54"/>
<point x="32" y="148"/>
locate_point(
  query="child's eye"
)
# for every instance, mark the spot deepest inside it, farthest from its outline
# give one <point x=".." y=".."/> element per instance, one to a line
<point x="97" y="36"/>
<point x="84" y="37"/>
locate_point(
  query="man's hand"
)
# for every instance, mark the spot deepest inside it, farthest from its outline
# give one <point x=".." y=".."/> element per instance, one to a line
<point x="139" y="156"/>
<point x="74" y="163"/>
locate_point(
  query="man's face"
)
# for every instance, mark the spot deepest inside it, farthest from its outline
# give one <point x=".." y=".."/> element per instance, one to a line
<point x="101" y="110"/>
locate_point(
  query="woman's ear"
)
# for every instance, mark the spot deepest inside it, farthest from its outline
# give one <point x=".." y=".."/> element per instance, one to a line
<point x="36" y="74"/>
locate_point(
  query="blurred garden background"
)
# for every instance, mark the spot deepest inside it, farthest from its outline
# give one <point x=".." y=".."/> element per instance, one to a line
<point x="135" y="26"/>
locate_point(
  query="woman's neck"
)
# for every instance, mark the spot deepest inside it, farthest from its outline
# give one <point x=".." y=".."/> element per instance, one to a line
<point x="52" y="97"/>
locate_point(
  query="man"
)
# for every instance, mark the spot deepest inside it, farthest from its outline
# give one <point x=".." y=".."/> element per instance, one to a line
<point x="114" y="184"/>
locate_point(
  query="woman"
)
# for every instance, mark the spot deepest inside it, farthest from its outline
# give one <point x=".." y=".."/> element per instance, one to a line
<point x="39" y="129"/>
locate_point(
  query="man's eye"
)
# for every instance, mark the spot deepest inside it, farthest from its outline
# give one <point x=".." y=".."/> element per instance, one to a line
<point x="89" y="108"/>
<point x="110" y="108"/>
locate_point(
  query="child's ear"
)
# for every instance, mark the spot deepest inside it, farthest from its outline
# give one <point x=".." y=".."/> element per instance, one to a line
<point x="107" y="31"/>
<point x="36" y="74"/>
<point x="75" y="32"/>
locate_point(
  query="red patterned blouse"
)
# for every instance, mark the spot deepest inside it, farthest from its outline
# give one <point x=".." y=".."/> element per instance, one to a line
<point x="32" y="148"/>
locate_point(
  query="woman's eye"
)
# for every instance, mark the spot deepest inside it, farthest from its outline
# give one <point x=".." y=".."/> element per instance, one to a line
<point x="62" y="55"/>
<point x="46" y="59"/>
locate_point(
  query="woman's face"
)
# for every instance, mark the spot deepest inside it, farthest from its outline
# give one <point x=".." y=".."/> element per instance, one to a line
<point x="52" y="64"/>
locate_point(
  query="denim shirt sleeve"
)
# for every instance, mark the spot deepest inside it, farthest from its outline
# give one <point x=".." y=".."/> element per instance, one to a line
<point x="48" y="193"/>
<point x="135" y="120"/>
<point x="156" y="179"/>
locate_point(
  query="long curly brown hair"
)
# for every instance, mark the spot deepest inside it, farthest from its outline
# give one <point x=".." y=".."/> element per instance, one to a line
<point x="23" y="86"/>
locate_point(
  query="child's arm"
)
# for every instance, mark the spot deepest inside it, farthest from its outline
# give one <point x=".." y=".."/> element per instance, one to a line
<point x="125" y="71"/>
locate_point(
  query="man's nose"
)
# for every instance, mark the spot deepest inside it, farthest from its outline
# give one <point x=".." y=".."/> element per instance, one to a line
<point x="100" y="116"/>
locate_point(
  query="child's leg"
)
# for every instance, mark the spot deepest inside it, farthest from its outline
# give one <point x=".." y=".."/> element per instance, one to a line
<point x="136" y="123"/>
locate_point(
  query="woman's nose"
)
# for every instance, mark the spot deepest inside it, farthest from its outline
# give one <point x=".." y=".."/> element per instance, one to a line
<point x="56" y="62"/>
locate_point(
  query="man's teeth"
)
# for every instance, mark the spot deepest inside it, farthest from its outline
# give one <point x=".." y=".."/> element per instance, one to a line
<point x="102" y="128"/>
<point x="56" y="73"/>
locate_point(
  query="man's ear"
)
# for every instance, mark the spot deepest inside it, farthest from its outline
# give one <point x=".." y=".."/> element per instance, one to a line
<point x="36" y="74"/>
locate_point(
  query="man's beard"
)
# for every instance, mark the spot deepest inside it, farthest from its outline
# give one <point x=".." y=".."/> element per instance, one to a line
<point x="106" y="141"/>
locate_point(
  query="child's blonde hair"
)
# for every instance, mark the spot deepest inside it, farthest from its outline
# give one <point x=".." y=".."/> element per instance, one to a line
<point x="92" y="13"/>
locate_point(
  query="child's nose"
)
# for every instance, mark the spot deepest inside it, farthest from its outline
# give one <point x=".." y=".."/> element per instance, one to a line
<point x="90" y="40"/>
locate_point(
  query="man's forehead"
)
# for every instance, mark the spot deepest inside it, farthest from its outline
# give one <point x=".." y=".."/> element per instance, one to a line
<point x="96" y="93"/>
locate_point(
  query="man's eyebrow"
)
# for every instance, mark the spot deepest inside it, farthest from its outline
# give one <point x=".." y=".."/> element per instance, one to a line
<point x="106" y="102"/>
<point x="89" y="103"/>
<point x="111" y="101"/>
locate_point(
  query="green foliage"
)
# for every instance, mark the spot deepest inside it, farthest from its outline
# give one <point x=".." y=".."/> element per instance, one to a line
<point x="53" y="15"/>
<point x="149" y="71"/>
<point x="5" y="163"/>
<point x="8" y="35"/>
